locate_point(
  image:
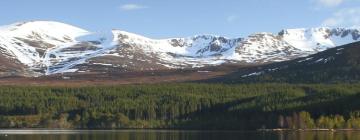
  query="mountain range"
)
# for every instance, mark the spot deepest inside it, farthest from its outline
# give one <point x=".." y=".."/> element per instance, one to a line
<point x="41" y="48"/>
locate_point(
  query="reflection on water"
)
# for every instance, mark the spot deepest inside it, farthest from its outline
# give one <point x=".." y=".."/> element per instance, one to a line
<point x="174" y="135"/>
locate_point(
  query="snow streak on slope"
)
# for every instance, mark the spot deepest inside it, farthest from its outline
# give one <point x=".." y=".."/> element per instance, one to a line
<point x="27" y="41"/>
<point x="63" y="58"/>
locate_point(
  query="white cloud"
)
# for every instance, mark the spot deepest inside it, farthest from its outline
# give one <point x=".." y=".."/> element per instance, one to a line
<point x="231" y="18"/>
<point x="329" y="3"/>
<point x="131" y="7"/>
<point x="345" y="17"/>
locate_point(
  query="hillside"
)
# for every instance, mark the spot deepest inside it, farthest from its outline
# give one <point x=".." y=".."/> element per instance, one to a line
<point x="340" y="64"/>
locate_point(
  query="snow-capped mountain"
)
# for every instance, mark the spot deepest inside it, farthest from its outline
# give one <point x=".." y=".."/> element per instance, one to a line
<point x="30" y="42"/>
<point x="319" y="39"/>
<point x="46" y="47"/>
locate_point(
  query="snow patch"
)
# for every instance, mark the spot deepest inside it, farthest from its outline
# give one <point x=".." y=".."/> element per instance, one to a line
<point x="253" y="74"/>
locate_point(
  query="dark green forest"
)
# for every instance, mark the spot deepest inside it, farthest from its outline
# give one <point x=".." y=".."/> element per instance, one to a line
<point x="182" y="106"/>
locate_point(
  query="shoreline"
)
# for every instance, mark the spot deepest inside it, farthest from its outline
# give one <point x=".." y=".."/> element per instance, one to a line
<point x="92" y="131"/>
<point x="320" y="129"/>
<point x="71" y="131"/>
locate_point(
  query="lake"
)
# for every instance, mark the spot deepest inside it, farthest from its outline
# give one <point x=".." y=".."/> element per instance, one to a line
<point x="172" y="135"/>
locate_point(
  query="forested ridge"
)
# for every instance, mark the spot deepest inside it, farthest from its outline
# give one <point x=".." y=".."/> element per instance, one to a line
<point x="182" y="106"/>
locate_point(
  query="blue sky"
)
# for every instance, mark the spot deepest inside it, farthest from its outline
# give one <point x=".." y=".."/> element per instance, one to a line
<point x="180" y="18"/>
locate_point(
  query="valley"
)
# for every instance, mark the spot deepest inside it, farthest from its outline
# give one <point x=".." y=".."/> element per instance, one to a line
<point x="54" y="75"/>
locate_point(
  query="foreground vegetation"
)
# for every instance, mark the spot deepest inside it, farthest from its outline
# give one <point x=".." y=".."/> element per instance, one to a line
<point x="182" y="106"/>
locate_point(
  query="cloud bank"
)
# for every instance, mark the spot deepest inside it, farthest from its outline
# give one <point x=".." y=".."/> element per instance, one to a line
<point x="345" y="17"/>
<point x="132" y="7"/>
<point x="329" y="3"/>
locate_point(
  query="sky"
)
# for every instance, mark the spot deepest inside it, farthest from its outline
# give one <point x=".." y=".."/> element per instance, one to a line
<point x="182" y="18"/>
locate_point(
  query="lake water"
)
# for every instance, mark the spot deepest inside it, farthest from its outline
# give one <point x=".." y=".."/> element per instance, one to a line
<point x="172" y="135"/>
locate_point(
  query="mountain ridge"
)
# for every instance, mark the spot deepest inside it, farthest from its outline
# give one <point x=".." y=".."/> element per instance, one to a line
<point x="336" y="65"/>
<point x="48" y="47"/>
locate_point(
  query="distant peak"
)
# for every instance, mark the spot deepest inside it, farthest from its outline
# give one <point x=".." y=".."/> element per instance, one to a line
<point x="51" y="29"/>
<point x="124" y="34"/>
<point x="44" y="23"/>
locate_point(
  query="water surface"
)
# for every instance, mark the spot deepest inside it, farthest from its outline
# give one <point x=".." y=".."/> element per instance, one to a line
<point x="172" y="135"/>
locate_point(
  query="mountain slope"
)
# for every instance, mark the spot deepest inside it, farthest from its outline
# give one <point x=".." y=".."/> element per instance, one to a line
<point x="340" y="64"/>
<point x="47" y="47"/>
<point x="28" y="42"/>
<point x="319" y="39"/>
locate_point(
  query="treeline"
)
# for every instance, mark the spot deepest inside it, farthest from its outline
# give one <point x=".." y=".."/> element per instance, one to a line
<point x="179" y="106"/>
<point x="303" y="120"/>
